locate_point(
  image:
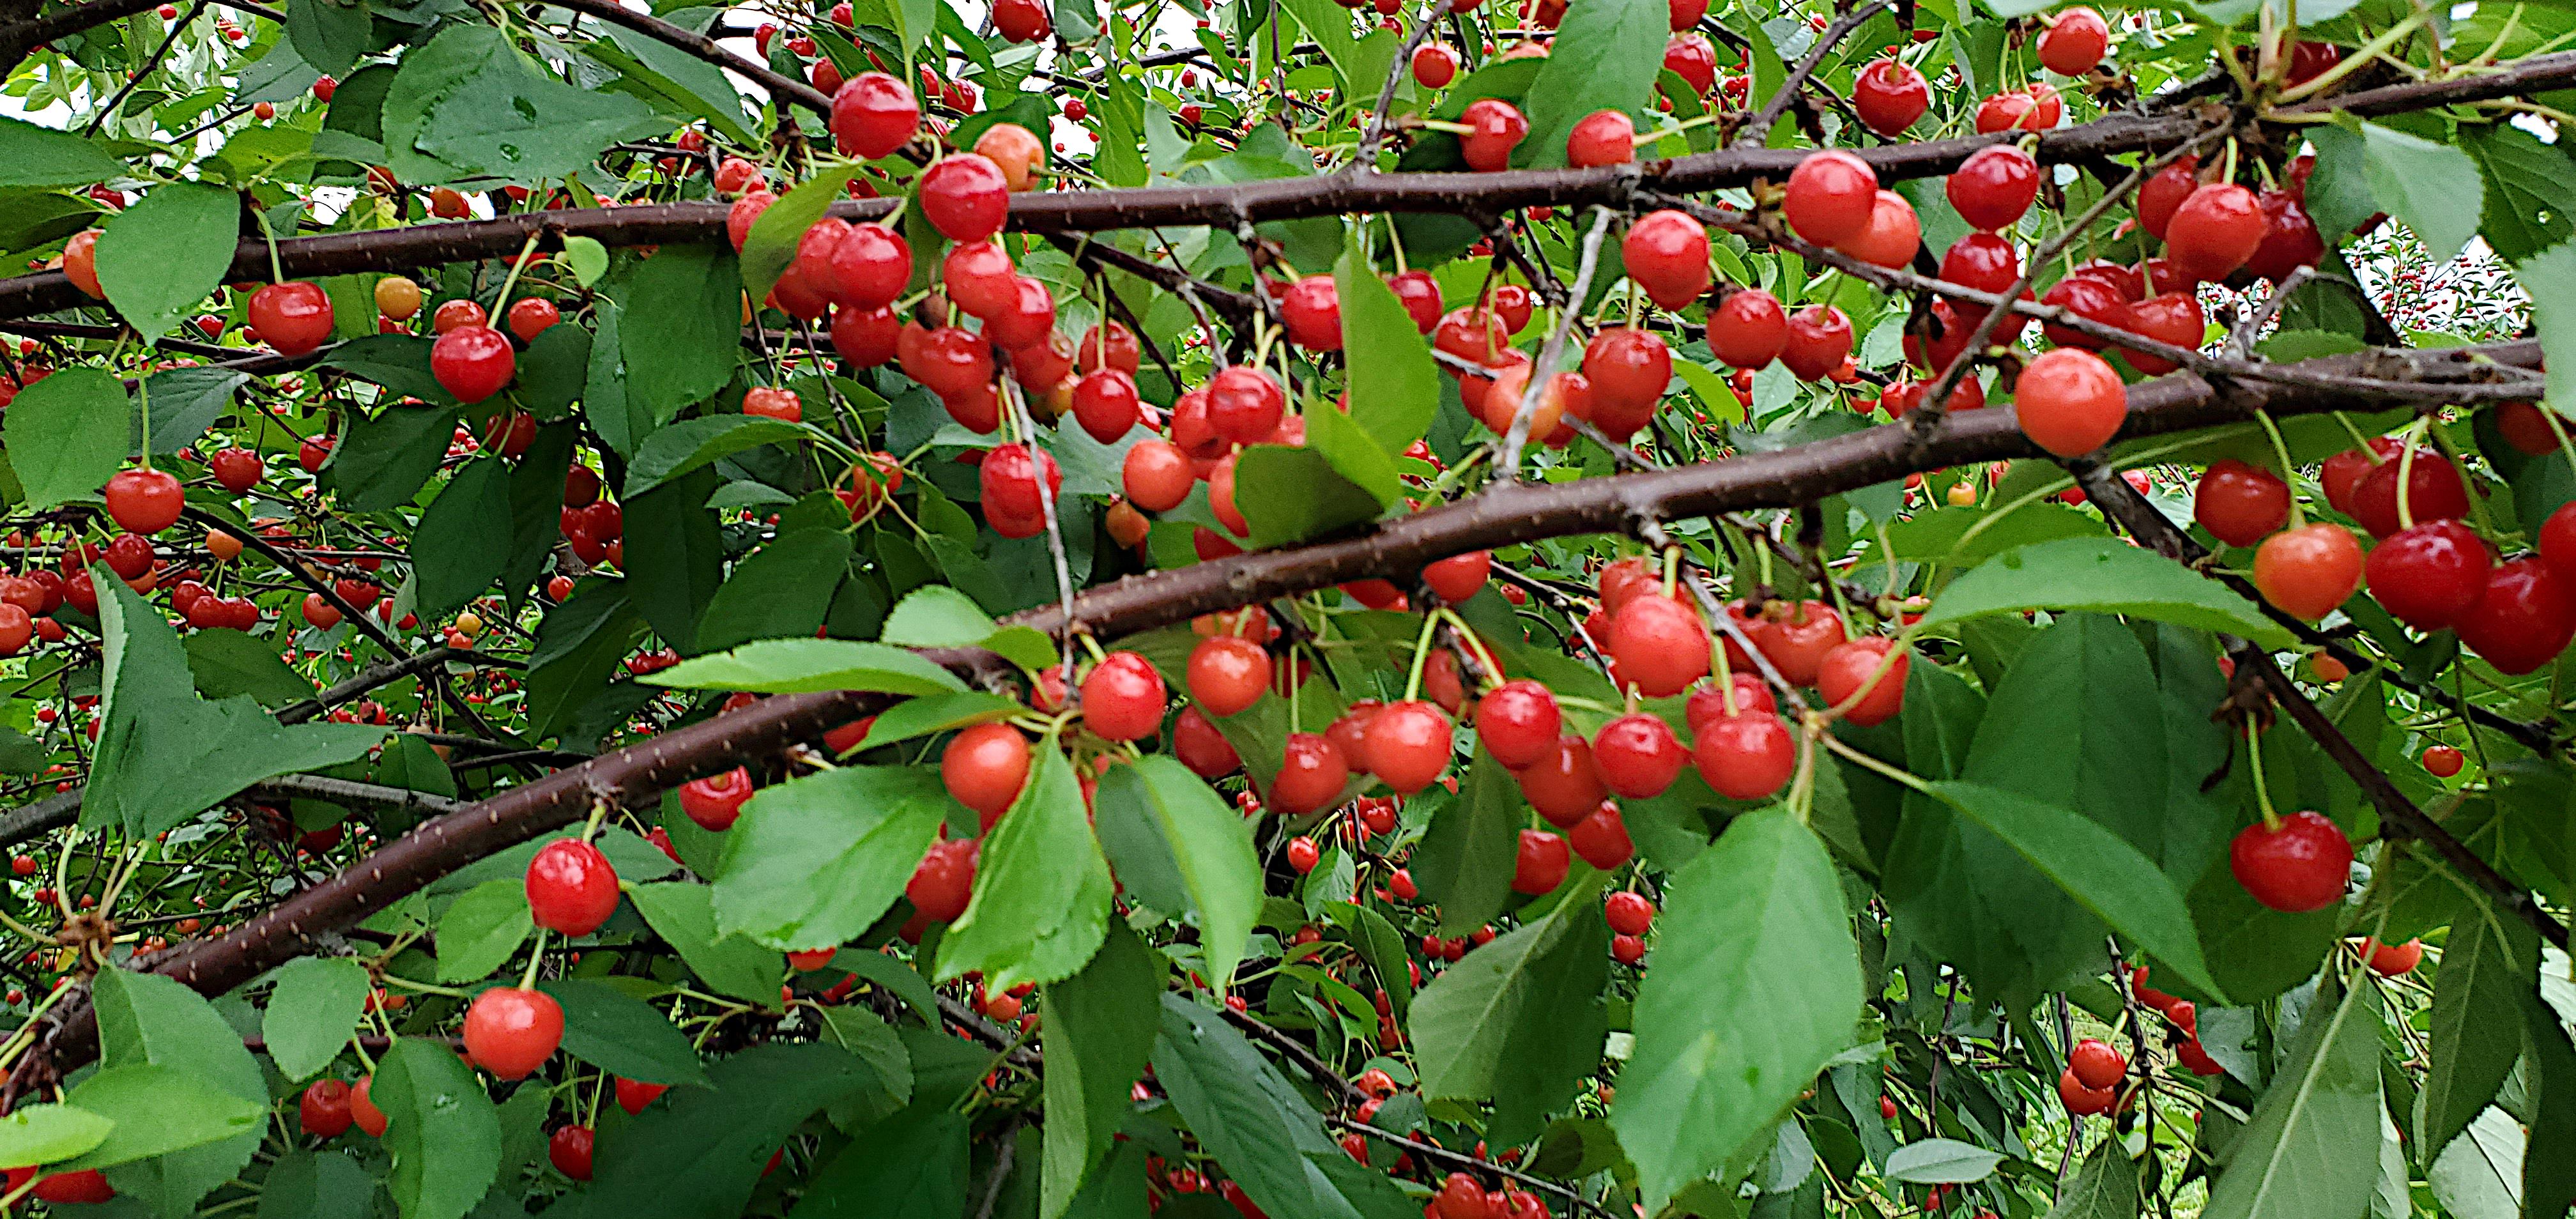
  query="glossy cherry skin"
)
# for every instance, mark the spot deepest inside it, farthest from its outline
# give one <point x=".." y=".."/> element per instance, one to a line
<point x="1519" y="723"/>
<point x="2342" y="472"/>
<point x="1820" y="339"/>
<point x="568" y="1149"/>
<point x="1228" y="673"/>
<point x="2302" y="866"/>
<point x="2069" y="402"/>
<point x="1658" y="644"/>
<point x="2164" y="191"/>
<point x="512" y="1032"/>
<point x="1604" y="137"/>
<point x="2215" y="230"/>
<point x="1419" y="293"/>
<point x="1708" y="706"/>
<point x="144" y="501"/>
<point x="1408" y="745"/>
<point x="1312" y="313"/>
<point x="2240" y="504"/>
<point x="239" y="469"/>
<point x="1244" y="404"/>
<point x="2173" y="318"/>
<point x="870" y="267"/>
<point x="1563" y="785"/>
<point x="1746" y="756"/>
<point x="1156" y="475"/>
<point x="1123" y="698"/>
<point x="292" y="317"/>
<point x="1849" y="666"/>
<point x="1691" y="56"/>
<point x="473" y="362"/>
<point x="2309" y="571"/>
<point x="2089" y="297"/>
<point x="1539" y="865"/>
<point x="873" y="113"/>
<point x="1628" y="370"/>
<point x="984" y="768"/>
<point x="1435" y="65"/>
<point x="965" y="197"/>
<point x="2433" y="492"/>
<point x="715" y="801"/>
<point x="2290" y="238"/>
<point x="1890" y="95"/>
<point x="1312" y="773"/>
<point x="324" y="1109"/>
<point x="1893" y="234"/>
<point x="2075" y="40"/>
<point x="1748" y="329"/>
<point x="571" y="887"/>
<point x="1601" y="839"/>
<point x="1202" y="748"/>
<point x="2558" y="542"/>
<point x="1495" y="128"/>
<point x="1009" y="479"/>
<point x="2523" y="620"/>
<point x="1994" y="187"/>
<point x="941" y="887"/>
<point x="1637" y="755"/>
<point x="2081" y="1101"/>
<point x="1629" y="913"/>
<point x="1105" y="404"/>
<point x="1830" y="197"/>
<point x="2096" y="1064"/>
<point x="2429" y="576"/>
<point x="1666" y="252"/>
<point x="363" y="1110"/>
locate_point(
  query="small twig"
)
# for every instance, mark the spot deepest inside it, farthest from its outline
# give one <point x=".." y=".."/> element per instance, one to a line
<point x="1543" y="373"/>
<point x="1758" y="129"/>
<point x="176" y="27"/>
<point x="1365" y="160"/>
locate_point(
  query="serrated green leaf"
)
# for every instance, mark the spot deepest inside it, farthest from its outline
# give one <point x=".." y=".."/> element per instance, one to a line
<point x="311" y="1013"/>
<point x="1178" y="847"/>
<point x="802" y="666"/>
<point x="482" y="930"/>
<point x="161" y="258"/>
<point x="1042" y="889"/>
<point x="816" y="860"/>
<point x="2104" y="575"/>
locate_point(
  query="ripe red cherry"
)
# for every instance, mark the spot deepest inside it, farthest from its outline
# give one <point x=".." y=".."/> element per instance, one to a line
<point x="1244" y="404"/>
<point x="1893" y="234"/>
<point x="715" y="801"/>
<point x="2069" y="402"/>
<point x="2034" y="107"/>
<point x="1890" y="95"/>
<point x="369" y="1118"/>
<point x="1820" y="339"/>
<point x="1797" y="645"/>
<point x="2290" y="238"/>
<point x="1202" y="748"/>
<point x="83" y="1185"/>
<point x="568" y="1149"/>
<point x="571" y="887"/>
<point x="1637" y="755"/>
<point x="1228" y="673"/>
<point x="2173" y="318"/>
<point x="2433" y="492"/>
<point x="144" y="501"/>
<point x="2074" y="41"/>
<point x="1603" y="137"/>
<point x="984" y="768"/>
<point x="770" y="402"/>
<point x="1563" y="785"/>
<point x="2429" y="576"/>
<point x="869" y="267"/>
<point x="238" y="469"/>
<point x="1746" y="756"/>
<point x="1420" y="296"/>
<point x="1114" y="346"/>
<point x="1708" y="706"/>
<point x="2215" y="230"/>
<point x="873" y="114"/>
<point x="2523" y="620"/>
<point x="511" y="1032"/>
<point x="1459" y="576"/>
<point x="293" y="317"/>
<point x="2081" y="1101"/>
<point x="2092" y="298"/>
<point x="2442" y="762"/>
<point x="1123" y="697"/>
<point x="1848" y="666"/>
<point x="1313" y="770"/>
<point x="2558" y="542"/>
<point x="2163" y="192"/>
<point x="965" y="197"/>
<point x="1519" y="722"/>
<point x="1666" y="252"/>
<point x="1105" y="404"/>
<point x="1628" y="369"/>
<point x="2095" y="1064"/>
<point x="324" y="1109"/>
<point x="473" y="362"/>
<point x="977" y="275"/>
<point x="1408" y="746"/>
<point x="1994" y="187"/>
<point x="1460" y="1197"/>
<point x="1658" y="644"/>
<point x="2392" y="960"/>
<point x="1303" y="854"/>
<point x="2522" y="427"/>
<point x="1155" y="475"/>
<point x="2309" y="571"/>
<point x="1495" y="128"/>
<point x="1013" y="503"/>
<point x="2345" y="470"/>
<point x="1629" y="913"/>
<point x="1312" y="313"/>
<point x="530" y="316"/>
<point x="1540" y="864"/>
<point x="2240" y="504"/>
<point x="1601" y="839"/>
<point x="1691" y="56"/>
<point x="2301" y="866"/>
<point x="1435" y="65"/>
<point x="940" y="888"/>
<point x="1830" y="197"/>
<point x="1748" y="329"/>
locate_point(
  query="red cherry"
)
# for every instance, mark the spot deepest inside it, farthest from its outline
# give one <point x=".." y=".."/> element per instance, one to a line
<point x="1748" y="329"/>
<point x="2081" y="1101"/>
<point x="1658" y="644"/>
<point x="870" y="266"/>
<point x="2429" y="576"/>
<point x="324" y="1108"/>
<point x="144" y="501"/>
<point x="1847" y="667"/>
<point x="2345" y="470"/>
<point x="2095" y="1064"/>
<point x="942" y="884"/>
<point x="83" y="1185"/>
<point x="1628" y="370"/>
<point x="2075" y="40"/>
<point x="2308" y="572"/>
<point x="2092" y="298"/>
<point x="1495" y="128"/>
<point x="2240" y="504"/>
<point x="2301" y="866"/>
<point x="2163" y="192"/>
<point x="1435" y="65"/>
<point x="1420" y="296"/>
<point x="1691" y="56"/>
<point x="2393" y="960"/>
<point x="2558" y="542"/>
<point x="1667" y="253"/>
<point x="1540" y="864"/>
<point x="873" y="114"/>
<point x="2215" y="230"/>
<point x="238" y="469"/>
<point x="1563" y="784"/>
<point x="293" y="317"/>
<point x="1202" y="748"/>
<point x="1637" y="755"/>
<point x="1312" y="773"/>
<point x="1830" y="197"/>
<point x="1123" y="697"/>
<point x="1228" y="673"/>
<point x="1890" y="95"/>
<point x="1746" y="756"/>
<point x="364" y="1111"/>
<point x="2433" y="493"/>
<point x="511" y="1032"/>
<point x="1303" y="854"/>
<point x="1112" y="347"/>
<point x="715" y="801"/>
<point x="2034" y="107"/>
<point x="1820" y="339"/>
<point x="770" y="402"/>
<point x="473" y="362"/>
<point x="1408" y="745"/>
<point x="984" y="768"/>
<point x="1244" y="404"/>
<point x="1519" y="722"/>
<point x="1460" y="1197"/>
<point x="2290" y="238"/>
<point x="568" y="1149"/>
<point x="2173" y="318"/>
<point x="1312" y="313"/>
<point x="1708" y="706"/>
<point x="1630" y="913"/>
<point x="965" y="197"/>
<point x="1994" y="187"/>
<point x="2442" y="761"/>
<point x="571" y="887"/>
<point x="1022" y="20"/>
<point x="2523" y="620"/>
<point x="1893" y="235"/>
<point x="1603" y="137"/>
<point x="1797" y="645"/>
<point x="1009" y="480"/>
<point x="2069" y="402"/>
<point x="977" y="276"/>
<point x="1155" y="474"/>
<point x="530" y="316"/>
<point x="1105" y="404"/>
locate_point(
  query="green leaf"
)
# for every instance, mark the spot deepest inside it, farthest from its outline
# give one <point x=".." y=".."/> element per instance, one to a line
<point x="1355" y="455"/>
<point x="1042" y="889"/>
<point x="2480" y="1176"/>
<point x="315" y="1185"/>
<point x="166" y="754"/>
<point x="2096" y="867"/>
<point x="937" y="616"/>
<point x="689" y="84"/>
<point x="1941" y="1161"/>
<point x="2105" y="575"/>
<point x="931" y="713"/>
<point x="38" y="156"/>
<point x="2422" y="183"/>
<point x="329" y="35"/>
<point x="454" y="554"/>
<point x="2105" y="1187"/>
<point x="818" y="860"/>
<point x="483" y="929"/>
<point x="156" y="1110"/>
<point x="771" y="244"/>
<point x="1394" y="385"/>
<point x="2316" y="1125"/>
<point x="912" y="1165"/>
<point x="2549" y="278"/>
<point x="511" y="122"/>
<point x="50" y="1134"/>
<point x="781" y="590"/>
<point x="803" y="666"/>
<point x="440" y="1126"/>
<point x="623" y="1035"/>
<point x="1756" y="984"/>
<point x="700" y="1151"/>
<point x="1099" y="1031"/>
<point x="225" y="663"/>
<point x="1465" y="861"/>
<point x="1606" y="56"/>
<point x="674" y="556"/>
<point x="690" y="444"/>
<point x="2549" y="1181"/>
<point x="1253" y="1121"/>
<point x="66" y="435"/>
<point x="585" y="257"/>
<point x="2488" y="968"/>
<point x="1300" y="496"/>
<point x="186" y="402"/>
<point x="1178" y="847"/>
<point x="2530" y="190"/>
<point x="1520" y="1021"/>
<point x="684" y="914"/>
<point x="874" y="1042"/>
<point x="399" y="362"/>
<point x="679" y="325"/>
<point x="310" y="1015"/>
<point x="383" y="462"/>
<point x="160" y="259"/>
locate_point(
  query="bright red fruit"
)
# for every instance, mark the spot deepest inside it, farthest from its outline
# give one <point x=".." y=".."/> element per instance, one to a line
<point x="1748" y="329"/>
<point x="2173" y="318"/>
<point x="81" y="1185"/>
<point x="511" y="1032"/>
<point x="1014" y="503"/>
<point x="530" y="316"/>
<point x="1628" y="370"/>
<point x="2089" y="297"/>
<point x="2290" y="238"/>
<point x="1202" y="748"/>
<point x="2096" y="1064"/>
<point x="1637" y="755"/>
<point x="1408" y="746"/>
<point x="2069" y="402"/>
<point x="2307" y="572"/>
<point x="869" y="267"/>
<point x="1604" y="137"/>
<point x="1602" y="837"/>
<point x="1420" y="296"/>
<point x="770" y="402"/>
<point x="2301" y="866"/>
<point x="2240" y="504"/>
<point x="238" y="469"/>
<point x="1245" y="404"/>
<point x="1540" y="864"/>
<point x="1303" y="854"/>
<point x="293" y="317"/>
<point x="2215" y="230"/>
<point x="1893" y="234"/>
<point x="1495" y="127"/>
<point x="2081" y="1101"/>
<point x="1629" y="913"/>
<point x="571" y="887"/>
<point x="1123" y="697"/>
<point x="568" y="1149"/>
<point x="1746" y="756"/>
<point x="1889" y="95"/>
<point x="965" y="197"/>
<point x="2074" y="41"/>
<point x="873" y="114"/>
<point x="1312" y="313"/>
<point x="2558" y="542"/>
<point x="473" y="362"/>
<point x="1228" y="674"/>
<point x="1994" y="187"/>
<point x="941" y="887"/>
<point x="1105" y="404"/>
<point x="984" y="768"/>
<point x="1851" y="665"/>
<point x="1519" y="722"/>
<point x="1666" y="252"/>
<point x="1820" y="339"/>
<point x="2434" y="492"/>
<point x="369" y="1118"/>
<point x="1658" y="644"/>
<point x="2392" y="960"/>
<point x="1460" y="1197"/>
<point x="1830" y="197"/>
<point x="144" y="501"/>
<point x="1435" y="65"/>
<point x="715" y="801"/>
<point x="2523" y="620"/>
<point x="2429" y="576"/>
<point x="1312" y="773"/>
<point x="324" y="1108"/>
<point x="2033" y="107"/>
<point x="1691" y="56"/>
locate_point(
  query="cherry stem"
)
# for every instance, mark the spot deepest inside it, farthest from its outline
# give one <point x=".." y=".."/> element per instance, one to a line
<point x="511" y="280"/>
<point x="2281" y="449"/>
<point x="2262" y="790"/>
<point x="536" y="957"/>
<point x="1895" y="773"/>
<point x="276" y="267"/>
<point x="143" y="403"/>
<point x="1421" y="652"/>
<point x="2477" y="503"/>
<point x="598" y="811"/>
<point x="2406" y="469"/>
